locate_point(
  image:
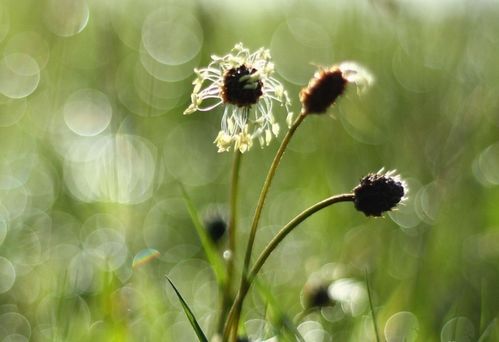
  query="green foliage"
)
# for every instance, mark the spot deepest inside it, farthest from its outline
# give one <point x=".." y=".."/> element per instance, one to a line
<point x="93" y="143"/>
<point x="189" y="314"/>
<point x="209" y="248"/>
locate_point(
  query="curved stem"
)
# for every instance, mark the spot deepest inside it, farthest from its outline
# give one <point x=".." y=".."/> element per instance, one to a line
<point x="371" y="306"/>
<point x="231" y="231"/>
<point x="265" y="190"/>
<point x="258" y="211"/>
<point x="233" y="317"/>
<point x="271" y="246"/>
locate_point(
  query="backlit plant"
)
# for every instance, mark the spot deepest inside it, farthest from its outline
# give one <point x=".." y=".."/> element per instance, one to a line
<point x="243" y="84"/>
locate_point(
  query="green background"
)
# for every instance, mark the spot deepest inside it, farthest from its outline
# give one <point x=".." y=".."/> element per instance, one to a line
<point x="93" y="145"/>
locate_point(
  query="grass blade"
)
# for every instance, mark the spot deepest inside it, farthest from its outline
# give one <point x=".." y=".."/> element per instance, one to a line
<point x="209" y="248"/>
<point x="371" y="306"/>
<point x="190" y="316"/>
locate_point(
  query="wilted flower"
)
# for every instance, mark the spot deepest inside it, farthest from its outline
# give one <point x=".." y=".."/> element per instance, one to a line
<point x="328" y="84"/>
<point x="242" y="83"/>
<point x="379" y="192"/>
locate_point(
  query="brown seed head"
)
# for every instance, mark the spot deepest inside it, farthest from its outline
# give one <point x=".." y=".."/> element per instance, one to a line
<point x="322" y="90"/>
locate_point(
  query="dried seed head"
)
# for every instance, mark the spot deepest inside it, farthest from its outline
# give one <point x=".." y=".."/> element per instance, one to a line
<point x="241" y="86"/>
<point x="379" y="192"/>
<point x="322" y="91"/>
<point x="328" y="84"/>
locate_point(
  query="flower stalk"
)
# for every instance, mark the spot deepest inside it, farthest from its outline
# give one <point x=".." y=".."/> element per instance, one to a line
<point x="233" y="318"/>
<point x="234" y="191"/>
<point x="236" y="307"/>
<point x="234" y="187"/>
<point x="371" y="306"/>
<point x="376" y="194"/>
<point x="265" y="189"/>
<point x="288" y="228"/>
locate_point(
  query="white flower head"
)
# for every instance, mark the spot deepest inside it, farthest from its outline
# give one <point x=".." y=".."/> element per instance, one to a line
<point x="243" y="84"/>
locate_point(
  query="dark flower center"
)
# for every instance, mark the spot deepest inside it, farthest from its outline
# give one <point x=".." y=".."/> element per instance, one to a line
<point x="239" y="88"/>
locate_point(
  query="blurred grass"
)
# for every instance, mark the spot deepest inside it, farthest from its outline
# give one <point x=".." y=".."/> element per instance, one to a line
<point x="76" y="207"/>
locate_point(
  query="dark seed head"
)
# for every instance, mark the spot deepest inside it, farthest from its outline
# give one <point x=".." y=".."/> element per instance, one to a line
<point x="215" y="227"/>
<point x="239" y="88"/>
<point x="317" y="296"/>
<point x="322" y="91"/>
<point x="378" y="193"/>
<point x="243" y="339"/>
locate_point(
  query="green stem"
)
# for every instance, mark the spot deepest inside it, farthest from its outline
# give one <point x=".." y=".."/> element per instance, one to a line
<point x="234" y="187"/>
<point x="258" y="212"/>
<point x="265" y="190"/>
<point x="231" y="231"/>
<point x="234" y="313"/>
<point x="288" y="228"/>
<point x="371" y="307"/>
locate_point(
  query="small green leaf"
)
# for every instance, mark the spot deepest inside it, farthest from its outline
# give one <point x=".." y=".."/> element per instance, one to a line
<point x="209" y="248"/>
<point x="190" y="316"/>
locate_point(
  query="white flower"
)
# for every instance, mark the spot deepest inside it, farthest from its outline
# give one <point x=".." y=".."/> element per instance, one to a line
<point x="242" y="83"/>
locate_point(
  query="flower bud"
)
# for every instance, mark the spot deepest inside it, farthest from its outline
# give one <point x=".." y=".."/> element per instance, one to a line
<point x="322" y="91"/>
<point x="379" y="192"/>
<point x="328" y="84"/>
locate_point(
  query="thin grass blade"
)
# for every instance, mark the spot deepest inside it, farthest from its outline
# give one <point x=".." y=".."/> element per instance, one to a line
<point x="209" y="248"/>
<point x="371" y="306"/>
<point x="190" y="316"/>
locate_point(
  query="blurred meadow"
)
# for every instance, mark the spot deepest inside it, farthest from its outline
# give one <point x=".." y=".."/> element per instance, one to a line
<point x="93" y="147"/>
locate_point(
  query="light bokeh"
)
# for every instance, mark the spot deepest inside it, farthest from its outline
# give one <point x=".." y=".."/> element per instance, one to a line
<point x="94" y="148"/>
